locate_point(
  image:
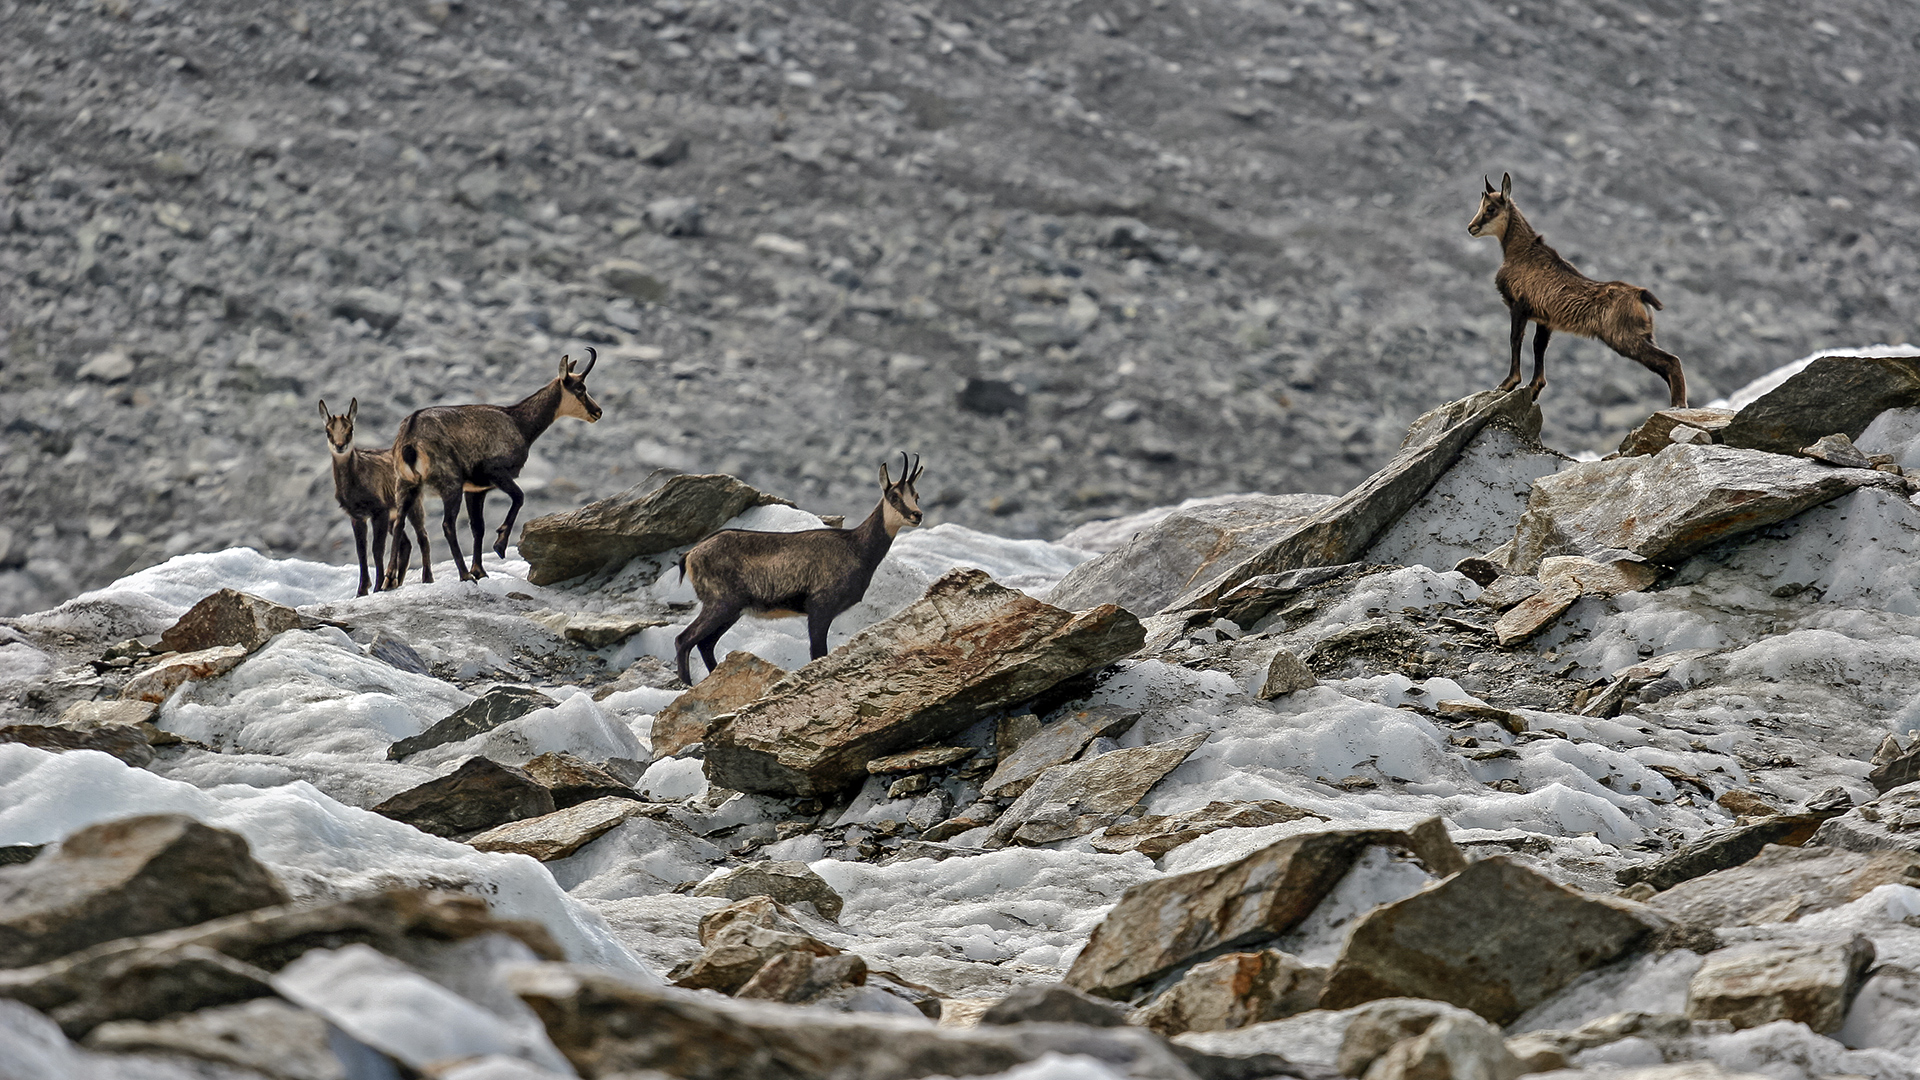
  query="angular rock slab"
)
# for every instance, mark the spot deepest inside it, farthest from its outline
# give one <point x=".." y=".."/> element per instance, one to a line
<point x="1157" y="834"/>
<point x="1723" y="848"/>
<point x="1658" y="432"/>
<point x="129" y="744"/>
<point x="559" y="834"/>
<point x="787" y="881"/>
<point x="229" y="617"/>
<point x="639" y="521"/>
<point x="1055" y="744"/>
<point x="740" y="939"/>
<point x="1888" y="823"/>
<point x="741" y="679"/>
<point x="1233" y="991"/>
<point x="573" y="781"/>
<point x="1473" y="505"/>
<point x="1668" y="506"/>
<point x="158" y="682"/>
<point x="476" y="717"/>
<point x="1161" y="924"/>
<point x="477" y="796"/>
<point x="1782" y="884"/>
<point x="967" y="648"/>
<point x="1803" y="982"/>
<point x="120" y="878"/>
<point x="1832" y="394"/>
<point x="1344" y="529"/>
<point x="1495" y="938"/>
<point x="1076" y="798"/>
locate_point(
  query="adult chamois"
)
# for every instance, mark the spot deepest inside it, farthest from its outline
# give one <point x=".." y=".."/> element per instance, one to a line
<point x="816" y="572"/>
<point x="476" y="448"/>
<point x="1541" y="287"/>
<point x="364" y="486"/>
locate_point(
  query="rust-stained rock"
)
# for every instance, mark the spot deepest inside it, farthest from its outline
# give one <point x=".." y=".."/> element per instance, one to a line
<point x="1460" y="942"/>
<point x="739" y="939"/>
<point x="1657" y="433"/>
<point x="477" y="796"/>
<point x="1833" y="393"/>
<point x="169" y="673"/>
<point x="1157" y="834"/>
<point x="229" y="617"/>
<point x="642" y="520"/>
<point x="786" y="881"/>
<point x="966" y="648"/>
<point x="559" y="834"/>
<point x="1233" y="991"/>
<point x="1802" y="982"/>
<point x="1076" y="798"/>
<point x="1055" y="744"/>
<point x="1782" y="884"/>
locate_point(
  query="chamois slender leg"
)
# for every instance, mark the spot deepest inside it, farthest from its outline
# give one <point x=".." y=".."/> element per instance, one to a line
<point x="1662" y="363"/>
<point x="380" y="549"/>
<point x="449" y="516"/>
<point x="409" y="502"/>
<point x="400" y="559"/>
<point x="513" y="511"/>
<point x="819" y="618"/>
<point x="1520" y="314"/>
<point x="1539" y="383"/>
<point x="476" y="517"/>
<point x="360" y="548"/>
<point x="705" y="629"/>
<point x="419" y="518"/>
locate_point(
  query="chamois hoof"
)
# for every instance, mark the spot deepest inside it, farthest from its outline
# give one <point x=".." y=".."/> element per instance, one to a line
<point x="500" y="548"/>
<point x="1533" y="391"/>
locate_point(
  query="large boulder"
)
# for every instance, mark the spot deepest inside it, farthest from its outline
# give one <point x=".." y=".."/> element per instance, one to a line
<point x="1781" y="884"/>
<point x="967" y="648"/>
<point x="120" y="878"/>
<point x="639" y="521"/>
<point x="1668" y="506"/>
<point x="1148" y="571"/>
<point x="477" y="796"/>
<point x="1890" y="822"/>
<point x="1496" y="938"/>
<point x="740" y="680"/>
<point x="1832" y="394"/>
<point x="1080" y="796"/>
<point x="1473" y="505"/>
<point x="476" y="717"/>
<point x="1806" y="982"/>
<point x="229" y="617"/>
<point x="1233" y="991"/>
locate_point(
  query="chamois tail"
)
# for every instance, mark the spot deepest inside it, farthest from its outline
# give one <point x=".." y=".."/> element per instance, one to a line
<point x="1652" y="301"/>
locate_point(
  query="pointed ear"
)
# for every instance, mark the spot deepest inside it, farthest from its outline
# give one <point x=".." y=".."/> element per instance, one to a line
<point x="885" y="480"/>
<point x="353" y="409"/>
<point x="1506" y="183"/>
<point x="1489" y="182"/>
<point x="324" y="414"/>
<point x="566" y="366"/>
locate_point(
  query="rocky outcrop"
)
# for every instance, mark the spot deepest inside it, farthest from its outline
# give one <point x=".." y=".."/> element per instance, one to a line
<point x="786" y="881"/>
<point x="477" y="796"/>
<point x="966" y="648"/>
<point x="1781" y="884"/>
<point x="1076" y="798"/>
<point x="1832" y="394"/>
<point x="1724" y="848"/>
<point x="1808" y="983"/>
<point x="1890" y="822"/>
<point x="741" y="938"/>
<point x="1459" y="942"/>
<point x="481" y="715"/>
<point x="1233" y="991"/>
<point x="561" y="833"/>
<point x="1157" y="834"/>
<point x="229" y="617"/>
<point x="741" y="679"/>
<point x="120" y="878"/>
<point x="640" y="521"/>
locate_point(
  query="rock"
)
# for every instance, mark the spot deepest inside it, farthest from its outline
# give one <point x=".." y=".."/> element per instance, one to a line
<point x="1746" y="804"/>
<point x="1406" y="1038"/>
<point x="120" y="878"/>
<point x="1507" y="590"/>
<point x="676" y="217"/>
<point x="486" y="190"/>
<point x="928" y="757"/>
<point x="229" y="617"/>
<point x="1837" y="449"/>
<point x="967" y="648"/>
<point x="477" y="796"/>
<point x="1157" y="834"/>
<point x="561" y="833"/>
<point x="788" y="882"/>
<point x="663" y="152"/>
<point x="1657" y="433"/>
<point x="158" y="682"/>
<point x="129" y="744"/>
<point x="594" y="631"/>
<point x="481" y="715"/>
<point x="991" y="397"/>
<point x="799" y="977"/>
<point x="573" y="781"/>
<point x="266" y="1035"/>
<point x="1610" y="577"/>
<point x="1076" y="798"/>
<point x="1054" y="744"/>
<point x="1474" y="710"/>
<point x="1161" y="924"/>
<point x="629" y="278"/>
<point x="1833" y="393"/>
<point x="1723" y="848"/>
<point x="1885" y="1013"/>
<point x="1054" y="1003"/>
<point x="1286" y="673"/>
<point x="605" y="535"/>
<point x="117" y="713"/>
<point x="1187" y="546"/>
<point x="1233" y="991"/>
<point x="1537" y="612"/>
<point x="1459" y="942"/>
<point x="1254" y="599"/>
<point x="1781" y="884"/>
<point x="741" y="679"/>
<point x="111" y="366"/>
<point x="397" y="654"/>
<point x="1668" y="506"/>
<point x="1888" y="823"/>
<point x="1545" y="1050"/>
<point x="1472" y="506"/>
<point x="1809" y="983"/>
<point x="1899" y="770"/>
<point x="377" y="309"/>
<point x="739" y="939"/>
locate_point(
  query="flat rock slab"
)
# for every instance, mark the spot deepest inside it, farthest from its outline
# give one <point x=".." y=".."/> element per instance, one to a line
<point x="1233" y="991"/>
<point x="1888" y="823"/>
<point x="787" y="881"/>
<point x="967" y="648"/>
<point x="1055" y="744"/>
<point x="640" y="521"/>
<point x="1495" y="938"/>
<point x="573" y="781"/>
<point x="127" y="743"/>
<point x="927" y="757"/>
<point x="120" y="878"/>
<point x="1162" y="924"/>
<point x="169" y="673"/>
<point x="476" y="717"/>
<point x="1157" y="834"/>
<point x="1724" y="848"/>
<point x="1782" y="884"/>
<point x="741" y="679"/>
<point x="229" y="617"/>
<point x="559" y="834"/>
<point x="593" y="631"/>
<point x="1809" y="983"/>
<point x="1832" y="394"/>
<point x="1657" y="433"/>
<point x="477" y="796"/>
<point x="1076" y="798"/>
<point x="1668" y="506"/>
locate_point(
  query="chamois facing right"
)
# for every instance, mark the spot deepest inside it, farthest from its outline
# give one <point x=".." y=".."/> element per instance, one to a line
<point x="1542" y="288"/>
<point x="816" y="572"/>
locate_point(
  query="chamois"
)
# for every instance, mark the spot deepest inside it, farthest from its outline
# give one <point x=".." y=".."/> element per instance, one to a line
<point x="475" y="448"/>
<point x="363" y="485"/>
<point x="817" y="572"/>
<point x="1541" y="287"/>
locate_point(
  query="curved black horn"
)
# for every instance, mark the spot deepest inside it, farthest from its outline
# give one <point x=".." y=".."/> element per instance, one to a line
<point x="592" y="356"/>
<point x="915" y="474"/>
<point x="906" y="471"/>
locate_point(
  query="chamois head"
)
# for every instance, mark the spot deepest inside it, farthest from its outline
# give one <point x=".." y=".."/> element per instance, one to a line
<point x="574" y="399"/>
<point x="340" y="428"/>
<point x="901" y="501"/>
<point x="1494" y="209"/>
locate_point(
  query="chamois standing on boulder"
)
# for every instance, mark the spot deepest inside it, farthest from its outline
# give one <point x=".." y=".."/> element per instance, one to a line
<point x="364" y="486"/>
<point x="476" y="448"/>
<point x="816" y="572"/>
<point x="1541" y="287"/>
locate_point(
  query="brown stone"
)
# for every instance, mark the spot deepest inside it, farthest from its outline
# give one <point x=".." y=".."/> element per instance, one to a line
<point x="229" y="617"/>
<point x="1455" y="709"/>
<point x="1536" y="612"/>
<point x="605" y="535"/>
<point x="1157" y="834"/>
<point x="561" y="833"/>
<point x="477" y="796"/>
<point x="1286" y="673"/>
<point x="1076" y="798"/>
<point x="1054" y="744"/>
<point x="573" y="781"/>
<point x="1656" y="434"/>
<point x="158" y="682"/>
<point x="1809" y="983"/>
<point x="741" y="679"/>
<point x="1833" y="393"/>
<point x="799" y="976"/>
<point x="1233" y="991"/>
<point x="786" y="881"/>
<point x="739" y="939"/>
<point x="927" y="757"/>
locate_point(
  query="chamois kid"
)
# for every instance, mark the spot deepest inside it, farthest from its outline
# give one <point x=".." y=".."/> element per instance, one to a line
<point x="364" y="486"/>
<point x="1542" y="288"/>
<point x="472" y="449"/>
<point x="817" y="572"/>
